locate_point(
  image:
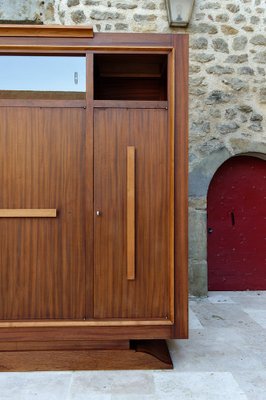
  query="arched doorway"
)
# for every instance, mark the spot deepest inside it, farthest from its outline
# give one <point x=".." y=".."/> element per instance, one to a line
<point x="237" y="225"/>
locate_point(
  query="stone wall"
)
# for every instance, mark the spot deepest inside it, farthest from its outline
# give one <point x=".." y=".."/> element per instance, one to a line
<point x="227" y="82"/>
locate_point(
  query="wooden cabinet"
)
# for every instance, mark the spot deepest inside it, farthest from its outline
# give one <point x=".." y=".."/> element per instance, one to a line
<point x="93" y="206"/>
<point x="42" y="264"/>
<point x="148" y="294"/>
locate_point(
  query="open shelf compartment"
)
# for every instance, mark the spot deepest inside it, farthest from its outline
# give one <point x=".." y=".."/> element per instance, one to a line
<point x="139" y="77"/>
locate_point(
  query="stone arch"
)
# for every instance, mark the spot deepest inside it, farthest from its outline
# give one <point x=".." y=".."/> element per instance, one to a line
<point x="199" y="181"/>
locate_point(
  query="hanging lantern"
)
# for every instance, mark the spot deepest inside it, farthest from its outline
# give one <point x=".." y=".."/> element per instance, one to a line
<point x="179" y="12"/>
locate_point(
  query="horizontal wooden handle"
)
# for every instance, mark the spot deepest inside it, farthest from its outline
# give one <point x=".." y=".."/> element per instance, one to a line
<point x="28" y="212"/>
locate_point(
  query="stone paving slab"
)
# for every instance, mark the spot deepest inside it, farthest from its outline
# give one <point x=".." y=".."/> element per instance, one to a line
<point x="224" y="358"/>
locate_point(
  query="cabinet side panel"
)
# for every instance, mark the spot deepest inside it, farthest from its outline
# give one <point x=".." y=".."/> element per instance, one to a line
<point x="181" y="186"/>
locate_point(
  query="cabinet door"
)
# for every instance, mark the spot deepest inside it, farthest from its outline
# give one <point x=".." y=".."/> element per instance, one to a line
<point x="147" y="296"/>
<point x="42" y="260"/>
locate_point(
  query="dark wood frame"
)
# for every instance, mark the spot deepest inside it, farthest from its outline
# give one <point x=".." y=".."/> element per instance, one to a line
<point x="9" y="30"/>
<point x="75" y="40"/>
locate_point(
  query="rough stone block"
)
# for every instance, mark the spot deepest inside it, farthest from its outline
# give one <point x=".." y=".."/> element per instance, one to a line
<point x="144" y="17"/>
<point x="237" y="59"/>
<point x="121" y="27"/>
<point x="222" y="18"/>
<point x="104" y="15"/>
<point x="71" y="3"/>
<point x="203" y="57"/>
<point x="211" y="6"/>
<point x="236" y="84"/>
<point x="260" y="57"/>
<point x="91" y="2"/>
<point x="126" y="6"/>
<point x="220" y="45"/>
<point x="230" y="113"/>
<point x="233" y="8"/>
<point x="202" y="172"/>
<point x="194" y="69"/>
<point x="200" y="44"/>
<point x="228" y="128"/>
<point x="198" y="278"/>
<point x="258" y="40"/>
<point x="149" y="6"/>
<point x="197" y="231"/>
<point x="200" y="126"/>
<point x="263" y="95"/>
<point x="218" y="97"/>
<point x="247" y="145"/>
<point x="245" y="108"/>
<point x="240" y="18"/>
<point x="240" y="43"/>
<point x="211" y="145"/>
<point x="248" y="28"/>
<point x="205" y="28"/>
<point x="20" y="10"/>
<point x="78" y="16"/>
<point x="198" y="203"/>
<point x="256" y="117"/>
<point x="261" y="71"/>
<point x="246" y="71"/>
<point x="256" y="127"/>
<point x="229" y="30"/>
<point x="220" y="70"/>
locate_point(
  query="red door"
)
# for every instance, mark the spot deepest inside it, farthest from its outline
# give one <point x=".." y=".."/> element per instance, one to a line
<point x="237" y="225"/>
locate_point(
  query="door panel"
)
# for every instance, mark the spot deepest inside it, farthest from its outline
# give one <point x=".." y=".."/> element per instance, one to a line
<point x="148" y="295"/>
<point x="42" y="260"/>
<point x="237" y="225"/>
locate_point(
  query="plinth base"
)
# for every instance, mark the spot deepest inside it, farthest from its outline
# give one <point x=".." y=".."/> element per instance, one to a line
<point x="140" y="354"/>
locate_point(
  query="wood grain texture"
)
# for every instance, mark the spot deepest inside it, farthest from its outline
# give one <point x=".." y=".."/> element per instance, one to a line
<point x="172" y="139"/>
<point x="83" y="323"/>
<point x="37" y="47"/>
<point x="41" y="95"/>
<point x="130" y="76"/>
<point x="118" y="43"/>
<point x="148" y="295"/>
<point x="129" y="104"/>
<point x="131" y="213"/>
<point x="107" y="42"/>
<point x="65" y="345"/>
<point x="181" y="186"/>
<point x="28" y="213"/>
<point x="43" y="103"/>
<point x="143" y="355"/>
<point x="42" y="260"/>
<point x="153" y="40"/>
<point x="46" y="31"/>
<point x="86" y="333"/>
<point x="149" y="298"/>
<point x="130" y="65"/>
<point x="89" y="197"/>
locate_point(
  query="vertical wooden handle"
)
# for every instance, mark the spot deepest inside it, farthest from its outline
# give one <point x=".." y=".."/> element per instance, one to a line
<point x="131" y="213"/>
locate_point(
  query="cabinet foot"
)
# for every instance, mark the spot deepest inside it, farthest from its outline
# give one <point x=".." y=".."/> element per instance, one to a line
<point x="142" y="354"/>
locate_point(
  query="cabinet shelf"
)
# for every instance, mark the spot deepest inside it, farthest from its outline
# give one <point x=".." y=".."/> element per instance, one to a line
<point x="130" y="104"/>
<point x="140" y="77"/>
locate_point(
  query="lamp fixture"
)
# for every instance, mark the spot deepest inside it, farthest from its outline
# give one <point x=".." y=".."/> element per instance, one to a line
<point x="179" y="12"/>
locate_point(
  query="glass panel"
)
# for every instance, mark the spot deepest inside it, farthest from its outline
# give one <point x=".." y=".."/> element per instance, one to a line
<point x="180" y="11"/>
<point x="41" y="77"/>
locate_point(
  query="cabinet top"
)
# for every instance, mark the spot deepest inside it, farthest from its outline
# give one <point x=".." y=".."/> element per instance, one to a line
<point x="79" y="39"/>
<point x="54" y="31"/>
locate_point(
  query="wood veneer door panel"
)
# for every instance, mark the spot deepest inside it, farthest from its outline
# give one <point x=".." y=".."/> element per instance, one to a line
<point x="147" y="296"/>
<point x="42" y="260"/>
